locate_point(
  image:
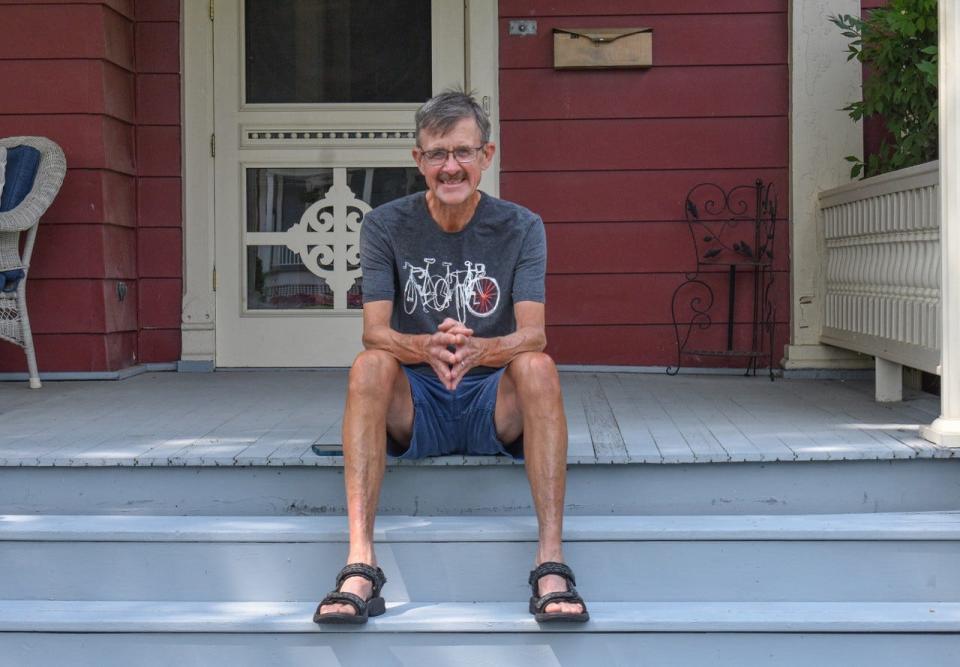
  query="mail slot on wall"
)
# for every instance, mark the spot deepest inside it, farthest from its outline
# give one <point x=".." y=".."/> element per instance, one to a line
<point x="598" y="48"/>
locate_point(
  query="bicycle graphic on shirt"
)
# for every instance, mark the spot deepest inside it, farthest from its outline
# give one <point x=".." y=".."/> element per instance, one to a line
<point x="471" y="290"/>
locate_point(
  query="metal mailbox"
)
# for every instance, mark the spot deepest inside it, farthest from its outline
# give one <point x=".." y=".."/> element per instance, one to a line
<point x="602" y="48"/>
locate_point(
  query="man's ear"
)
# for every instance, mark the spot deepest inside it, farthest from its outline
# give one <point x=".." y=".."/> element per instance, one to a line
<point x="416" y="159"/>
<point x="488" y="151"/>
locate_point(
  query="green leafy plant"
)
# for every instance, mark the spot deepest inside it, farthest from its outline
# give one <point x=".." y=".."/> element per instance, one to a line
<point x="898" y="43"/>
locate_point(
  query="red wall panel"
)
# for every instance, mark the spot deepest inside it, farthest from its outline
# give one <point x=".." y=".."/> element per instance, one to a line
<point x="75" y="352"/>
<point x="546" y="94"/>
<point x="158" y="150"/>
<point x="159" y="202"/>
<point x="54" y="87"/>
<point x="122" y="7"/>
<point x="634" y="247"/>
<point x="607" y="196"/>
<point x="646" y="298"/>
<point x="647" y="345"/>
<point x="159" y="302"/>
<point x="82" y="85"/>
<point x="81" y="306"/>
<point x="89" y="141"/>
<point x="158" y="10"/>
<point x="523" y="8"/>
<point x="608" y="156"/>
<point x="84" y="251"/>
<point x="160" y="252"/>
<point x="159" y="345"/>
<point x="658" y="144"/>
<point x="158" y="46"/>
<point x="94" y="196"/>
<point x="159" y="198"/>
<point x="158" y="99"/>
<point x="66" y="31"/>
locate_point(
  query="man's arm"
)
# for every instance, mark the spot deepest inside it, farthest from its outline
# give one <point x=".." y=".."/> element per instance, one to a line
<point x="530" y="336"/>
<point x="411" y="348"/>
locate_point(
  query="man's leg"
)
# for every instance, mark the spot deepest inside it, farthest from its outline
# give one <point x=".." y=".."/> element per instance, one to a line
<point x="529" y="402"/>
<point x="378" y="400"/>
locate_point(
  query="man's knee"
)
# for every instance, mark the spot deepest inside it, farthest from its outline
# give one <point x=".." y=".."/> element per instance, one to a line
<point x="373" y="371"/>
<point x="535" y="371"/>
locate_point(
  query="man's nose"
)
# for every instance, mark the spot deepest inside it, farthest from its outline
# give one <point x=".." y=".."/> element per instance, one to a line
<point x="451" y="164"/>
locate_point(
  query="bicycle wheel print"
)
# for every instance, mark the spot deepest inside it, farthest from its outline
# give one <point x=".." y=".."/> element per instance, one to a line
<point x="441" y="294"/>
<point x="485" y="297"/>
<point x="409" y="296"/>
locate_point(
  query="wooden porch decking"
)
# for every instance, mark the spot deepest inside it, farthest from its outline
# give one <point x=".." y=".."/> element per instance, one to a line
<point x="273" y="418"/>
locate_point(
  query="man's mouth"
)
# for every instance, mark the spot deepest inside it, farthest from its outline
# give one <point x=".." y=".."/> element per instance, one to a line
<point x="454" y="179"/>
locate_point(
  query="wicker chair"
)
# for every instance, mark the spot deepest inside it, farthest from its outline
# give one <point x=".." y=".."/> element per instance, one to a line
<point x="14" y="323"/>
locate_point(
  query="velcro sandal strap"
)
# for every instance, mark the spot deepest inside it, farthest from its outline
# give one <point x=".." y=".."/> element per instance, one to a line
<point x="333" y="597"/>
<point x="373" y="574"/>
<point x="551" y="567"/>
<point x="562" y="596"/>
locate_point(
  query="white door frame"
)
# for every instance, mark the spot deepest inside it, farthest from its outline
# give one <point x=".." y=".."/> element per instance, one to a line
<point x="198" y="312"/>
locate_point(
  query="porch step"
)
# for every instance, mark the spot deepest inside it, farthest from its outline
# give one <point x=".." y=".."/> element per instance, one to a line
<point x="454" y="487"/>
<point x="462" y="617"/>
<point x="897" y="557"/>
<point x="243" y="633"/>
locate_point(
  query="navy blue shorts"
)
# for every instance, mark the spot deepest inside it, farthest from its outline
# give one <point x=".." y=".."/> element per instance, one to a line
<point x="453" y="422"/>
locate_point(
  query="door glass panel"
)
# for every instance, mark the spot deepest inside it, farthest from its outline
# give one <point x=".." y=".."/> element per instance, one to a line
<point x="321" y="51"/>
<point x="303" y="230"/>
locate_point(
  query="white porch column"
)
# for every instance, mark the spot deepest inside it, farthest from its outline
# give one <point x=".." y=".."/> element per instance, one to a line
<point x="946" y="429"/>
<point x="198" y="311"/>
<point x="822" y="82"/>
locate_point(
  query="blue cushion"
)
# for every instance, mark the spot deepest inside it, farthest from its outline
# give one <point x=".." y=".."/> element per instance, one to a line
<point x="22" y="165"/>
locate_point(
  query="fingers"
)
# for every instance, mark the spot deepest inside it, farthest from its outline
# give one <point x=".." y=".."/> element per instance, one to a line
<point x="444" y="373"/>
<point x="447" y="324"/>
<point x="456" y="374"/>
<point x="451" y="326"/>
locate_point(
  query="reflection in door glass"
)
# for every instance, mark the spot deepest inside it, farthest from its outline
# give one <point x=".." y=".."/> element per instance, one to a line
<point x="277" y="277"/>
<point x="316" y="51"/>
<point x="278" y="280"/>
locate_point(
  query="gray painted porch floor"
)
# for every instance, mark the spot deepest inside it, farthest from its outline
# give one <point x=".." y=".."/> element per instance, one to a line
<point x="274" y="418"/>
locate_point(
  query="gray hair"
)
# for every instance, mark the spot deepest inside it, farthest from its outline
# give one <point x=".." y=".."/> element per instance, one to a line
<point x="440" y="113"/>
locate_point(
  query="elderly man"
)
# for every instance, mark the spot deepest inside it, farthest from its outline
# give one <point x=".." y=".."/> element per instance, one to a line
<point x="453" y="331"/>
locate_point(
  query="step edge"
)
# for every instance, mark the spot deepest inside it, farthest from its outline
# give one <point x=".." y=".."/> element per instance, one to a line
<point x="240" y="617"/>
<point x="907" y="526"/>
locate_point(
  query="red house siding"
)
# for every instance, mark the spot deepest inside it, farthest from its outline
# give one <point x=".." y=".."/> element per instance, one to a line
<point x="607" y="157"/>
<point x="91" y="76"/>
<point x="159" y="200"/>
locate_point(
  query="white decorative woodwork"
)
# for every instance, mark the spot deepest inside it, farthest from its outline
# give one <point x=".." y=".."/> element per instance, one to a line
<point x="326" y="239"/>
<point x="255" y="136"/>
<point x="881" y="246"/>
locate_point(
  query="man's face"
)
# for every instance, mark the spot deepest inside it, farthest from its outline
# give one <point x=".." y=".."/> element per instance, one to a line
<point x="453" y="183"/>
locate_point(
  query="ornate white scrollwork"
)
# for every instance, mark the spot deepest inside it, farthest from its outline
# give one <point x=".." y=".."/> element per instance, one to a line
<point x="327" y="237"/>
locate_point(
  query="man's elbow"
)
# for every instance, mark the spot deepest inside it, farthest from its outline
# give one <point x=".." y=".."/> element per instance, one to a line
<point x="369" y="339"/>
<point x="540" y="341"/>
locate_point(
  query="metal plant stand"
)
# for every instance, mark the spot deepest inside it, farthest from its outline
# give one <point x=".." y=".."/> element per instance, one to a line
<point x="733" y="235"/>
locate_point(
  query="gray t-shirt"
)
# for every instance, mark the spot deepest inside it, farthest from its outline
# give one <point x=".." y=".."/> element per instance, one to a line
<point x="474" y="275"/>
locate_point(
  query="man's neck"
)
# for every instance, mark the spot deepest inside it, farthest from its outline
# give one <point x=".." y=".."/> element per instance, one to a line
<point x="452" y="218"/>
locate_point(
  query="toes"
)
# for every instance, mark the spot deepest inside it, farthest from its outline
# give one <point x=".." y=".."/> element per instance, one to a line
<point x="563" y="608"/>
<point x="337" y="609"/>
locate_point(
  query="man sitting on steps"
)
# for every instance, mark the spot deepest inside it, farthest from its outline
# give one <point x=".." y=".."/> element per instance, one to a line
<point x="453" y="331"/>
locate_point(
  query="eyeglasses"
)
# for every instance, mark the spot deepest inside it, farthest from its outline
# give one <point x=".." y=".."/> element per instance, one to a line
<point x="462" y="154"/>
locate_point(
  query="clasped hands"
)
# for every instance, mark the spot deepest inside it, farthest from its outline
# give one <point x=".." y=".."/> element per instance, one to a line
<point x="452" y="351"/>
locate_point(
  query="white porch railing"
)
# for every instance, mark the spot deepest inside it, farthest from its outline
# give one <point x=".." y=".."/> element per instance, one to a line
<point x="880" y="240"/>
